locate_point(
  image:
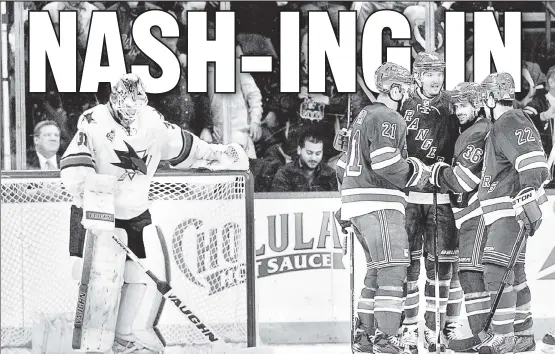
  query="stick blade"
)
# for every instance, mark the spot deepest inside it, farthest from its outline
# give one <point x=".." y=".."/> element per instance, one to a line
<point x="459" y="345"/>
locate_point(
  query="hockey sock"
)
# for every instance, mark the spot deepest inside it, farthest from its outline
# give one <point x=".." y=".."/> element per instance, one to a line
<point x="412" y="300"/>
<point x="523" y="319"/>
<point x="455" y="294"/>
<point x="389" y="298"/>
<point x="504" y="317"/>
<point x="476" y="299"/>
<point x="429" y="292"/>
<point x="365" y="308"/>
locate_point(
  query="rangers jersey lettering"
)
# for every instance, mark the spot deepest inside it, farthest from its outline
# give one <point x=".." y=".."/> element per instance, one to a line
<point x="375" y="165"/>
<point x="432" y="130"/>
<point x="103" y="146"/>
<point x="514" y="159"/>
<point x="463" y="178"/>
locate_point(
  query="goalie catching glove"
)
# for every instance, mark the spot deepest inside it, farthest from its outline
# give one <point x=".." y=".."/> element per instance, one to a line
<point x="527" y="209"/>
<point x="217" y="157"/>
<point x="419" y="173"/>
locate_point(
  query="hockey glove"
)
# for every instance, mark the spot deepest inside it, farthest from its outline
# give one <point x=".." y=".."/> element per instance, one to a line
<point x="528" y="210"/>
<point x="419" y="173"/>
<point x="344" y="223"/>
<point x="436" y="170"/>
<point x="341" y="140"/>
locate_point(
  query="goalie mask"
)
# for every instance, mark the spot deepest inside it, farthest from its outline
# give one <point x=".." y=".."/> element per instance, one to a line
<point x="394" y="80"/>
<point x="127" y="98"/>
<point x="498" y="87"/>
<point x="466" y="98"/>
<point x="429" y="72"/>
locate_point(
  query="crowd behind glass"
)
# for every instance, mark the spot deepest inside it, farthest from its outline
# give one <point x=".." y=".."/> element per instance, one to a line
<point x="288" y="137"/>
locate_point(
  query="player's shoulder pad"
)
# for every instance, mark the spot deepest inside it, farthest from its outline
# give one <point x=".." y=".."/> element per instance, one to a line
<point x="385" y="114"/>
<point x="361" y="117"/>
<point x="92" y="117"/>
<point x="511" y="120"/>
<point x="479" y="130"/>
<point x="154" y="118"/>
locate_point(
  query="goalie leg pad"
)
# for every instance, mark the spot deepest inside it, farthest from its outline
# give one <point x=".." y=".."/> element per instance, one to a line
<point x="105" y="267"/>
<point x="141" y="302"/>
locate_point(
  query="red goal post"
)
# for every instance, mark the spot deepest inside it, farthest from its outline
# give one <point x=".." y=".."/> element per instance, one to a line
<point x="207" y="219"/>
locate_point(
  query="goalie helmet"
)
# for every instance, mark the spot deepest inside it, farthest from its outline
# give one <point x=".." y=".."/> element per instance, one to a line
<point x="390" y="75"/>
<point x="127" y="98"/>
<point x="498" y="87"/>
<point x="426" y="62"/>
<point x="468" y="92"/>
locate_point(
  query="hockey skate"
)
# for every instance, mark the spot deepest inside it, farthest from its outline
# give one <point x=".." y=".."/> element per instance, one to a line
<point x="548" y="342"/>
<point x="124" y="347"/>
<point x="498" y="344"/>
<point x="430" y="341"/>
<point x="363" y="342"/>
<point x="409" y="339"/>
<point x="524" y="344"/>
<point x="387" y="344"/>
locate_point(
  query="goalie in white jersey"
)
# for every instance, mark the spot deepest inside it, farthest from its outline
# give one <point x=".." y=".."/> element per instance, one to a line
<point x="127" y="139"/>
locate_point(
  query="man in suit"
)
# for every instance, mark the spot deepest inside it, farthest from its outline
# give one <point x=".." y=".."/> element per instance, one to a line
<point x="45" y="156"/>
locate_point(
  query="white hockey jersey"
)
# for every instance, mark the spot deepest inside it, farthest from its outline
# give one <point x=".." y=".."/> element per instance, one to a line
<point x="103" y="146"/>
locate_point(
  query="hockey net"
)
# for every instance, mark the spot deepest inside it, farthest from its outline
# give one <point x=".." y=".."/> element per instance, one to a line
<point x="206" y="220"/>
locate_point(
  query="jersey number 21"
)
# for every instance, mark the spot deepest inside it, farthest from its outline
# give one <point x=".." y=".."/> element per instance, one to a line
<point x="354" y="167"/>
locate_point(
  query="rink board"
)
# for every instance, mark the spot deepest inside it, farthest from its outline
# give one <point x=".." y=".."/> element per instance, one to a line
<point x="302" y="288"/>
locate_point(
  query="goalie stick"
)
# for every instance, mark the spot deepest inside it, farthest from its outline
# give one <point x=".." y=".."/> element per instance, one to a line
<point x="167" y="291"/>
<point x="467" y="343"/>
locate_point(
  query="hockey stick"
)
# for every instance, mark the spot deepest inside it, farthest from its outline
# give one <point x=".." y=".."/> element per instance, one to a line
<point x="167" y="291"/>
<point x="436" y="274"/>
<point x="352" y="283"/>
<point x="467" y="343"/>
<point x="83" y="292"/>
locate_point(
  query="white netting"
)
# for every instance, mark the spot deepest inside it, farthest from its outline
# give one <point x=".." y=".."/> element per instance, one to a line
<point x="203" y="219"/>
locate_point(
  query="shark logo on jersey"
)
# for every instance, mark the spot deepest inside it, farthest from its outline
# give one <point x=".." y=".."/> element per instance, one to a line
<point x="131" y="162"/>
<point x="88" y="117"/>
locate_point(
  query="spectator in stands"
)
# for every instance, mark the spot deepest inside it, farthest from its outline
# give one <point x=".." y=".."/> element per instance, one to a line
<point x="44" y="156"/>
<point x="190" y="111"/>
<point x="243" y="109"/>
<point x="306" y="172"/>
<point x="527" y="89"/>
<point x="542" y="111"/>
<point x="84" y="16"/>
<point x="536" y="74"/>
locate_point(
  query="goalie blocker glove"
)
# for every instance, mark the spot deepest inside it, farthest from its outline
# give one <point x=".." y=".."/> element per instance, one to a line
<point x="419" y="173"/>
<point x="527" y="209"/>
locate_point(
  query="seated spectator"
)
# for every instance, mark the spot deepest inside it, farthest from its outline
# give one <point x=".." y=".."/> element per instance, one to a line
<point x="306" y="172"/>
<point x="542" y="111"/>
<point x="44" y="155"/>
